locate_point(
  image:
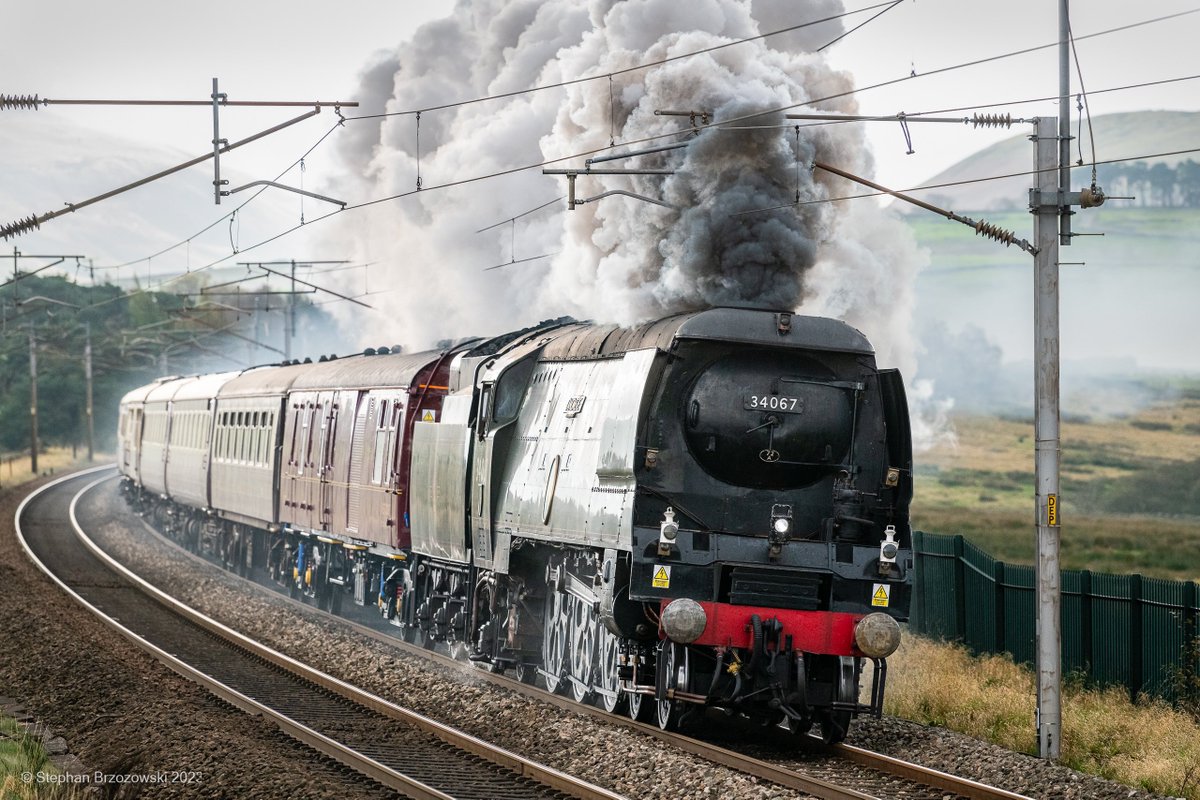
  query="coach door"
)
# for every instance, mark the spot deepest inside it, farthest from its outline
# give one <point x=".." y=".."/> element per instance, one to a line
<point x="356" y="468"/>
<point x="328" y="410"/>
<point x="306" y="455"/>
<point x="397" y="483"/>
<point x="130" y="444"/>
<point x="482" y="479"/>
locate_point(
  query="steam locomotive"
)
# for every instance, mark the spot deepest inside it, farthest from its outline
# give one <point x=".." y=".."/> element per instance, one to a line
<point x="705" y="511"/>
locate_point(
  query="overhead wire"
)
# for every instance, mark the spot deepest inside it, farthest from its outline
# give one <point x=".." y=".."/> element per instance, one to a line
<point x="1086" y="105"/>
<point x="625" y="70"/>
<point x="963" y="182"/>
<point x="843" y="198"/>
<point x="868" y="21"/>
<point x="522" y="214"/>
<point x="883" y="84"/>
<point x="973" y="107"/>
<point x="888" y="5"/>
<point x="226" y="215"/>
<point x="548" y="162"/>
<point x="717" y="123"/>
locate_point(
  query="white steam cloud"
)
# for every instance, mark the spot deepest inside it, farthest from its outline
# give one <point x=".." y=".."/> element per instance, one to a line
<point x="619" y="259"/>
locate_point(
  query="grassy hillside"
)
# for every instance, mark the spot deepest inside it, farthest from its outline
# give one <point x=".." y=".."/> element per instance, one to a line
<point x="1127" y="301"/>
<point x="1130" y="487"/>
<point x="1130" y="236"/>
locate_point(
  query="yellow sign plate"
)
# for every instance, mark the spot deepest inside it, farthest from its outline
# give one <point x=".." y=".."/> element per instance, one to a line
<point x="1052" y="510"/>
<point x="881" y="596"/>
<point x="428" y="416"/>
<point x="662" y="577"/>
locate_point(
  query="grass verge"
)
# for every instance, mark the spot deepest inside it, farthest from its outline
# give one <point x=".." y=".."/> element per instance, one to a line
<point x="1130" y="487"/>
<point x="15" y="467"/>
<point x="1148" y="745"/>
<point x="22" y="754"/>
<point x="1157" y="547"/>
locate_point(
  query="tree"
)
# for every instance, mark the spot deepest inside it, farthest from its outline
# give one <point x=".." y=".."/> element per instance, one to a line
<point x="1162" y="181"/>
<point x="129" y="333"/>
<point x="1187" y="174"/>
<point x="1137" y="173"/>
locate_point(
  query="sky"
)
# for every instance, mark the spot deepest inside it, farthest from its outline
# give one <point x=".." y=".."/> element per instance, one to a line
<point x="278" y="50"/>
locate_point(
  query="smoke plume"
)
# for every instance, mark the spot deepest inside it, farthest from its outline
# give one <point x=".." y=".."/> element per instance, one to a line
<point x="740" y="219"/>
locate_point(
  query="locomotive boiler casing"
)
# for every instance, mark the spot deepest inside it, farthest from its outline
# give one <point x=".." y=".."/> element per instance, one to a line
<point x="731" y="418"/>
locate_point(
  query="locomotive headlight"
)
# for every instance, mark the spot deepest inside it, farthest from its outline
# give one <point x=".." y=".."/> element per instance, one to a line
<point x="668" y="529"/>
<point x="877" y="635"/>
<point x="781" y="527"/>
<point x="889" y="548"/>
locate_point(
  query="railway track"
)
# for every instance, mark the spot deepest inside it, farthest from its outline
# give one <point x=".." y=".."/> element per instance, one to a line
<point x="839" y="773"/>
<point x="404" y="751"/>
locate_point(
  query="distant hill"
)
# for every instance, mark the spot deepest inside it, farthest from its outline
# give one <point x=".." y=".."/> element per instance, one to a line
<point x="1127" y="135"/>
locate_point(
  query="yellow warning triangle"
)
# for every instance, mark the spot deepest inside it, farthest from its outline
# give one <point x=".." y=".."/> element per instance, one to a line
<point x="661" y="575"/>
<point x="881" y="594"/>
<point x="427" y="416"/>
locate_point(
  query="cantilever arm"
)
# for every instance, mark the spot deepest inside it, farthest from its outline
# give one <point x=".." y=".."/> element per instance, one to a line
<point x="341" y="203"/>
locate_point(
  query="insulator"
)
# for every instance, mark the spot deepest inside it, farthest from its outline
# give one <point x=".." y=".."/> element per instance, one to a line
<point x="11" y="101"/>
<point x="991" y="231"/>
<point x="991" y="120"/>
<point x="20" y="226"/>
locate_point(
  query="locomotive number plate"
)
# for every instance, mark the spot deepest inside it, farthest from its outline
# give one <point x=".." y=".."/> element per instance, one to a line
<point x="773" y="402"/>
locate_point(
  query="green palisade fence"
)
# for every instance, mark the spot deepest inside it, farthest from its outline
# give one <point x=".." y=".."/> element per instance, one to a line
<point x="1124" y="630"/>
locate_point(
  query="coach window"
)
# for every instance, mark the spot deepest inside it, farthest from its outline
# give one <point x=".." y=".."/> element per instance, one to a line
<point x="239" y="438"/>
<point x="295" y="435"/>
<point x="381" y="441"/>
<point x="305" y="417"/>
<point x="312" y="433"/>
<point x="510" y="390"/>
<point x="485" y="410"/>
<point x="269" y="438"/>
<point x="260" y="439"/>
<point x="397" y="421"/>
<point x="251" y="438"/>
<point x="266" y="438"/>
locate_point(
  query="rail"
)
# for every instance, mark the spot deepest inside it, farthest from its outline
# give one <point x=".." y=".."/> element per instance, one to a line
<point x="932" y="782"/>
<point x="541" y="781"/>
